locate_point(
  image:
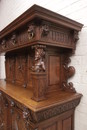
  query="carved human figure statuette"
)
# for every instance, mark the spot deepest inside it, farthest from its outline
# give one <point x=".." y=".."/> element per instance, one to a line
<point x="39" y="65"/>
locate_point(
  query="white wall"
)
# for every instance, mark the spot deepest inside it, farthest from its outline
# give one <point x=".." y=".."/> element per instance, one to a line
<point x="74" y="9"/>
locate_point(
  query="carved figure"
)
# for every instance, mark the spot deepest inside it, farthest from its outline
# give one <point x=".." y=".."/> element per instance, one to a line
<point x="39" y="62"/>
<point x="31" y="31"/>
<point x="13" y="39"/>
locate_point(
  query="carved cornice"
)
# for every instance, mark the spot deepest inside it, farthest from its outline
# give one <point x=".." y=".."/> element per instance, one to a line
<point x="41" y="13"/>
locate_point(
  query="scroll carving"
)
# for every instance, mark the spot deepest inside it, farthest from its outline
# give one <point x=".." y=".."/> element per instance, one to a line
<point x="39" y="65"/>
<point x="14" y="39"/>
<point x="31" y="31"/>
<point x="69" y="72"/>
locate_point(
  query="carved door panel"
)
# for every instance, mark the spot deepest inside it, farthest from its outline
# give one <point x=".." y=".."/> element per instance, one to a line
<point x="3" y="113"/>
<point x="21" y="70"/>
<point x="10" y="69"/>
<point x="18" y="122"/>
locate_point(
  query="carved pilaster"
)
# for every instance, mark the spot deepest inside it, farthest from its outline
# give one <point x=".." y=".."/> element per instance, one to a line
<point x="38" y="73"/>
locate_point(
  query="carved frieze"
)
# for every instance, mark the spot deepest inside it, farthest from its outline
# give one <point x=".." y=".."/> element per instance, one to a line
<point x="54" y="111"/>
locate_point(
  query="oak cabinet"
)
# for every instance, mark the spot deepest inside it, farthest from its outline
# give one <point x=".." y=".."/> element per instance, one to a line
<point x="36" y="94"/>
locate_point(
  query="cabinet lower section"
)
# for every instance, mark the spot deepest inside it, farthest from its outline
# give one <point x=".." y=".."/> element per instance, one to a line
<point x="19" y="112"/>
<point x="15" y="116"/>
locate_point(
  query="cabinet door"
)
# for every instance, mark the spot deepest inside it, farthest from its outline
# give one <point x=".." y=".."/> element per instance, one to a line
<point x="18" y="122"/>
<point x="3" y="112"/>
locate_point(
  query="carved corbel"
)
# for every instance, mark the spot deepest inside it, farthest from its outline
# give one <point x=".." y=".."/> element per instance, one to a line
<point x="69" y="72"/>
<point x="31" y="31"/>
<point x="45" y="30"/>
<point x="3" y="44"/>
<point x="14" y="39"/>
<point x="76" y="37"/>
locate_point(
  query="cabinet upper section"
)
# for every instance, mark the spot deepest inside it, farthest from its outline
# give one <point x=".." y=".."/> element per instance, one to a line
<point x="42" y="26"/>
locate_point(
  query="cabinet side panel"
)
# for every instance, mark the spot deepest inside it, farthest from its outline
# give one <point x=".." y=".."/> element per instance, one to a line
<point x="67" y="124"/>
<point x="54" y="70"/>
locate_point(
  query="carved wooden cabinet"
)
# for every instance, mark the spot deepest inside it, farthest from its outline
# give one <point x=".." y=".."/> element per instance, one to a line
<point x="36" y="94"/>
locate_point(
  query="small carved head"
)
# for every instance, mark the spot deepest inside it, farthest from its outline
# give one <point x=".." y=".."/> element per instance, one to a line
<point x="31" y="31"/>
<point x="45" y="30"/>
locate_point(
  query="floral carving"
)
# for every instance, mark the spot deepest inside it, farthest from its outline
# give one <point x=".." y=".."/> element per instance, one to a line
<point x="39" y="65"/>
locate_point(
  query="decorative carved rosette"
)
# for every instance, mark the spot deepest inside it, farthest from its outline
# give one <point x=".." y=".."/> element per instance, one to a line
<point x="69" y="72"/>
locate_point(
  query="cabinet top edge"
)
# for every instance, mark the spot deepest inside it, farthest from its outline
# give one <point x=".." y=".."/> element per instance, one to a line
<point x="44" y="14"/>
